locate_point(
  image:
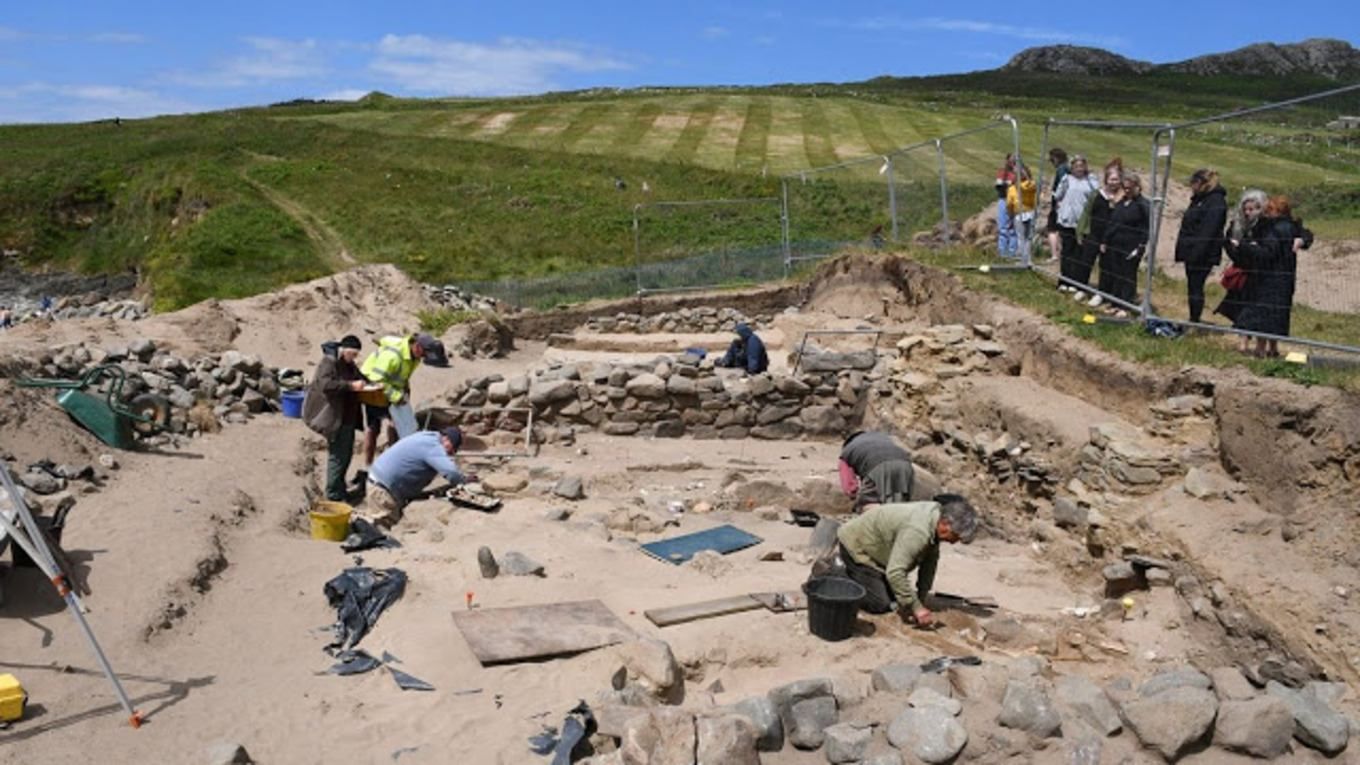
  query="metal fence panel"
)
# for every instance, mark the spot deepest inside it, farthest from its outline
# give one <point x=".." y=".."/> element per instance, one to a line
<point x="701" y="244"/>
<point x="828" y="208"/>
<point x="1311" y="291"/>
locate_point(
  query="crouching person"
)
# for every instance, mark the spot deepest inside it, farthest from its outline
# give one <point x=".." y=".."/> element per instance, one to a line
<point x="874" y="469"/>
<point x="884" y="545"/>
<point x="401" y="473"/>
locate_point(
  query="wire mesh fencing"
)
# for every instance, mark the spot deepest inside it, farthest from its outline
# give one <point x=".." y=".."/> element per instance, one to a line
<point x="1285" y="267"/>
<point x="829" y="208"/>
<point x="702" y="244"/>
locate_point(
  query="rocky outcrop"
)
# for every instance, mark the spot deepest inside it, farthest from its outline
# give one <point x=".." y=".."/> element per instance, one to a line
<point x="1319" y="56"/>
<point x="1074" y="59"/>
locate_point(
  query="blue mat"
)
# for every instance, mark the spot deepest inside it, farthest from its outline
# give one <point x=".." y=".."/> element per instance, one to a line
<point x="722" y="540"/>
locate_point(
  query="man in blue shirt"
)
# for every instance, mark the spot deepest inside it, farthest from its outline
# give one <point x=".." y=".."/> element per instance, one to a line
<point x="402" y="472"/>
<point x="746" y="352"/>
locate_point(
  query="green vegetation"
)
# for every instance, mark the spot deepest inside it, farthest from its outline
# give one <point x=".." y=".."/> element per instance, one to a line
<point x="439" y="320"/>
<point x="237" y="202"/>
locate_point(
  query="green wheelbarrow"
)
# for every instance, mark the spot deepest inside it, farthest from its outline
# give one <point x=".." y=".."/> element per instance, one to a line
<point x="111" y="419"/>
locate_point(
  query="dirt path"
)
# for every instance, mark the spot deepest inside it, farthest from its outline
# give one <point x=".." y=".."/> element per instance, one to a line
<point x="327" y="239"/>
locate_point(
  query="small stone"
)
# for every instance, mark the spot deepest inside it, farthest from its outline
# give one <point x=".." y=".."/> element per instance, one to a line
<point x="711" y="563"/>
<point x="1121" y="578"/>
<point x="570" y="487"/>
<point x="887" y="758"/>
<point x="108" y="462"/>
<point x="226" y="753"/>
<point x="1027" y="707"/>
<point x="652" y="665"/>
<point x="557" y="514"/>
<point x="1158" y="577"/>
<point x="505" y="483"/>
<point x="518" y="564"/>
<point x="847" y="743"/>
<point x="1068" y="514"/>
<point x="646" y="386"/>
<point x="487" y="563"/>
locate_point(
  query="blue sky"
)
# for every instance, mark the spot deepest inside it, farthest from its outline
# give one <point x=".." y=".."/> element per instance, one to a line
<point x="62" y="61"/>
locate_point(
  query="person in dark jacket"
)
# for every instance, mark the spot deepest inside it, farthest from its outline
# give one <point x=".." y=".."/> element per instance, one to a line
<point x="746" y="352"/>
<point x="1090" y="228"/>
<point x="332" y="410"/>
<point x="875" y="470"/>
<point x="1058" y="158"/>
<point x="1271" y="262"/>
<point x="1241" y="228"/>
<point x="1122" y="246"/>
<point x="1200" y="242"/>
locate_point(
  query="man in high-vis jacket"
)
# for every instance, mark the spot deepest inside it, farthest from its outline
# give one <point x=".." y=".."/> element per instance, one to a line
<point x="391" y="366"/>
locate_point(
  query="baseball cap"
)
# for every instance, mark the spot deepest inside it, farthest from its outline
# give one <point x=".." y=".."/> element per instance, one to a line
<point x="434" y="350"/>
<point x="454" y="434"/>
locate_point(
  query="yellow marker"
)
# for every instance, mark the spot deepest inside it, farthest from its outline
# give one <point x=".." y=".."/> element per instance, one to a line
<point x="985" y="269"/>
<point x="1089" y="318"/>
<point x="1296" y="357"/>
<point x="1127" y="603"/>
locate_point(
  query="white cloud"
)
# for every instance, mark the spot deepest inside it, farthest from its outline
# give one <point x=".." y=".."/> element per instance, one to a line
<point x="715" y="33"/>
<point x="345" y="94"/>
<point x="509" y="66"/>
<point x="47" y="102"/>
<point x="118" y="38"/>
<point x="9" y="34"/>
<point x="936" y="24"/>
<point x="271" y="59"/>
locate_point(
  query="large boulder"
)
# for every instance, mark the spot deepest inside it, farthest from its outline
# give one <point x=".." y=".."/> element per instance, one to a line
<point x="726" y="740"/>
<point x="544" y="393"/>
<point x="1082" y="700"/>
<point x="932" y="734"/>
<point x="662" y="736"/>
<point x="1026" y="706"/>
<point x="822" y="420"/>
<point x="1260" y="727"/>
<point x="834" y="361"/>
<point x="847" y="743"/>
<point x="1316" y="724"/>
<point x="646" y="385"/>
<point x="788" y="697"/>
<point x="651" y="664"/>
<point x="1184" y="677"/>
<point x="763" y="714"/>
<point x="1173" y="720"/>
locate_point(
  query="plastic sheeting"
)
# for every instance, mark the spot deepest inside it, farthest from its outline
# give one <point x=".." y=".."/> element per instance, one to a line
<point x="359" y="596"/>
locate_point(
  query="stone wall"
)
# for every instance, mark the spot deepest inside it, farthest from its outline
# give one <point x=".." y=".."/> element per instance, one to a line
<point x="672" y="397"/>
<point x="688" y="320"/>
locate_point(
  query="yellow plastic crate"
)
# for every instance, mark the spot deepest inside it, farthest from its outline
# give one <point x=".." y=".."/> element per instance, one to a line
<point x="12" y="698"/>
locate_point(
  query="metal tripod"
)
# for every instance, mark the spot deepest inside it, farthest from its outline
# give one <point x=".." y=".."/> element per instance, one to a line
<point x="24" y="531"/>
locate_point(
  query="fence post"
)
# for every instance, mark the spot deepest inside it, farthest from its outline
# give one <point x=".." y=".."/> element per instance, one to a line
<point x="892" y="195"/>
<point x="944" y="193"/>
<point x="637" y="248"/>
<point x="784" y="226"/>
<point x="1158" y="208"/>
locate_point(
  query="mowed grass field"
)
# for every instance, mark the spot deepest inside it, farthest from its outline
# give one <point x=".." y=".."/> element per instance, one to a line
<point x="235" y="203"/>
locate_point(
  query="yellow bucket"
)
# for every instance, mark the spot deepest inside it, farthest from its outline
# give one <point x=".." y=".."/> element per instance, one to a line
<point x="330" y="521"/>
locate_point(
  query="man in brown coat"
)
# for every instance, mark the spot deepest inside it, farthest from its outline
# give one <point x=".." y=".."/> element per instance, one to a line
<point x="332" y="410"/>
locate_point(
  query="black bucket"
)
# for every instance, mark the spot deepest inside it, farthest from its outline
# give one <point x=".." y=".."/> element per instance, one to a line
<point x="833" y="604"/>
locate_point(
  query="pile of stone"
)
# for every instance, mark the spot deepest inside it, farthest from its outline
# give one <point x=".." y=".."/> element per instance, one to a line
<point x="456" y="298"/>
<point x="1124" y="459"/>
<point x="668" y="398"/>
<point x="944" y="352"/>
<point x="203" y="392"/>
<point x="990" y="711"/>
<point x="686" y="320"/>
<point x="89" y="306"/>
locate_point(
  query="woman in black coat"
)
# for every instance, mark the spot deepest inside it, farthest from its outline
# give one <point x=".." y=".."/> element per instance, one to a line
<point x="1125" y="239"/>
<point x="1200" y="242"/>
<point x="1094" y="220"/>
<point x="1242" y="228"/>
<point x="1270" y="260"/>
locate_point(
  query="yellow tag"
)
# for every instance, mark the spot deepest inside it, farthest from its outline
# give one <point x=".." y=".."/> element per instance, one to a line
<point x="1089" y="318"/>
<point x="1296" y="358"/>
<point x="985" y="269"/>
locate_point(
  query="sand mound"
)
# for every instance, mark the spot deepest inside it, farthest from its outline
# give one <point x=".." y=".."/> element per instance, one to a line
<point x="284" y="328"/>
<point x="862" y="285"/>
<point x="33" y="427"/>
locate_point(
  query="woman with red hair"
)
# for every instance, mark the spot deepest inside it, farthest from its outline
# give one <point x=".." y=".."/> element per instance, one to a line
<point x="1271" y="263"/>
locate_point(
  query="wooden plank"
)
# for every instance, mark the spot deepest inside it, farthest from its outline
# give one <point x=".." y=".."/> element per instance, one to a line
<point x="664" y="617"/>
<point x="500" y="635"/>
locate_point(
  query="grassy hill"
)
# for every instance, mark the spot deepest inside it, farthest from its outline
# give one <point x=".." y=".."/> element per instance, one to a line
<point x="234" y="203"/>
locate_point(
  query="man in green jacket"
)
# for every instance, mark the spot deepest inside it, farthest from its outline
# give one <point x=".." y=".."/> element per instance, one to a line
<point x="391" y="366"/>
<point x="887" y="542"/>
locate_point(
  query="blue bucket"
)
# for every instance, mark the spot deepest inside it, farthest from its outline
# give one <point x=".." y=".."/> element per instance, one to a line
<point x="291" y="401"/>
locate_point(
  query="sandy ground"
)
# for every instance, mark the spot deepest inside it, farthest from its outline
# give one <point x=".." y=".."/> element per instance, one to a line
<point x="207" y="592"/>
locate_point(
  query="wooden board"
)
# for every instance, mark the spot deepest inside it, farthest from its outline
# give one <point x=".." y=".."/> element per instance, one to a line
<point x="664" y="617"/>
<point x="501" y="635"/>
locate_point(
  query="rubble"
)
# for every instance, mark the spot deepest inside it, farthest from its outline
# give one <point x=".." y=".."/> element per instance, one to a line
<point x="702" y="319"/>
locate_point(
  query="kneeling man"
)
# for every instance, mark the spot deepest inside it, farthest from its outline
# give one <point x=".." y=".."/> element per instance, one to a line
<point x="401" y="473"/>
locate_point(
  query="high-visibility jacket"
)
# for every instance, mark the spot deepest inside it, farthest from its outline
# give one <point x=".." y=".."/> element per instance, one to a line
<point x="391" y="366"/>
<point x="1020" y="198"/>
